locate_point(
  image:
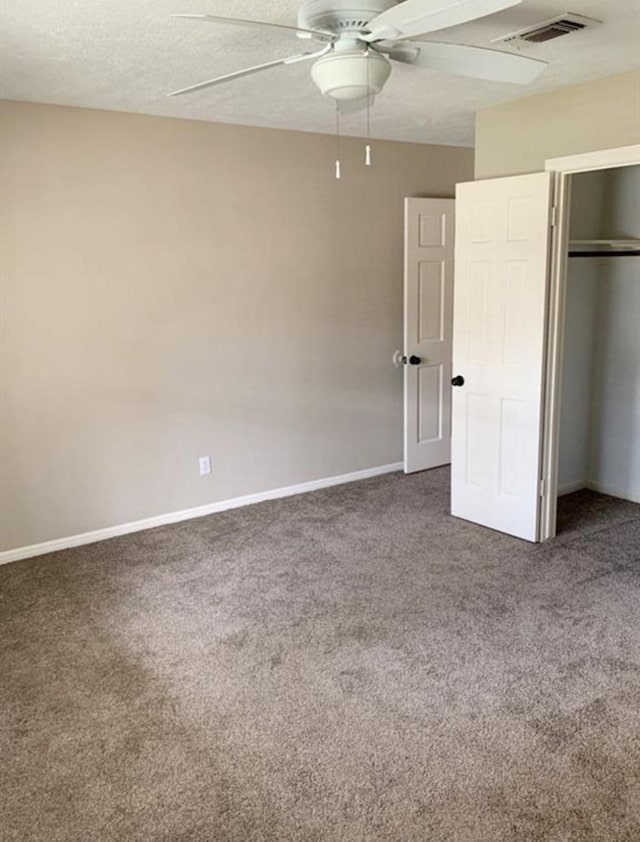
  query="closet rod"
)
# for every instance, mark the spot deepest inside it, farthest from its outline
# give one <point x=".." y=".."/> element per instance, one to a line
<point x="604" y="248"/>
<point x="607" y="253"/>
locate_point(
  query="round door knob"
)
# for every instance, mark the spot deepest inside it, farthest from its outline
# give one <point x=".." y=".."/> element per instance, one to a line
<point x="413" y="360"/>
<point x="458" y="380"/>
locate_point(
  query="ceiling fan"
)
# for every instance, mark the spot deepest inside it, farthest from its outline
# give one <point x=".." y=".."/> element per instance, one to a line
<point x="356" y="39"/>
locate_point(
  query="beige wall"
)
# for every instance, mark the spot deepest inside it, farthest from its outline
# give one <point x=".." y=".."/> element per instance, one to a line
<point x="518" y="137"/>
<point x="172" y="289"/>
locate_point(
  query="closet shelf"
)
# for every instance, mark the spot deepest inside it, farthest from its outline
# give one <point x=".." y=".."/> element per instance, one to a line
<point x="604" y="248"/>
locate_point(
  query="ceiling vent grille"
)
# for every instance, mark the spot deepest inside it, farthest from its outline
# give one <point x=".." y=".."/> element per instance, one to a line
<point x="547" y="30"/>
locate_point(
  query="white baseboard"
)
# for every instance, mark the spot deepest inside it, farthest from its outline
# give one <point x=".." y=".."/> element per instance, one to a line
<point x="579" y="485"/>
<point x="570" y="487"/>
<point x="612" y="492"/>
<point x="19" y="553"/>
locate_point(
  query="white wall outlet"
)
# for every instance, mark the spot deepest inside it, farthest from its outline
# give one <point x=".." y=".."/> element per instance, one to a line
<point x="205" y="465"/>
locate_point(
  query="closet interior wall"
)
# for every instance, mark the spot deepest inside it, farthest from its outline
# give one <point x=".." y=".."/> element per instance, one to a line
<point x="600" y="406"/>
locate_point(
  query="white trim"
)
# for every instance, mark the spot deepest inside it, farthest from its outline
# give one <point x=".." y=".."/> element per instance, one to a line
<point x="580" y="485"/>
<point x="602" y="159"/>
<point x="572" y="487"/>
<point x="612" y="492"/>
<point x="562" y="169"/>
<point x="187" y="514"/>
<point x="554" y="356"/>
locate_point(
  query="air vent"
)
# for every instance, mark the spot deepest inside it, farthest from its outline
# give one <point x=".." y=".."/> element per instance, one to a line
<point x="547" y="30"/>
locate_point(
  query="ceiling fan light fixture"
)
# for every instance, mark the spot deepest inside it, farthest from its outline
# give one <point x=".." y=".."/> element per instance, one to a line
<point x="352" y="76"/>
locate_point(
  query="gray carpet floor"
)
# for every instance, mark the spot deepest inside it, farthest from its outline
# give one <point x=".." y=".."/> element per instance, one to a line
<point x="352" y="664"/>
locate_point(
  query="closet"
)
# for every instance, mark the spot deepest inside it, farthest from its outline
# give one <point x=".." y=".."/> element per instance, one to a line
<point x="600" y="400"/>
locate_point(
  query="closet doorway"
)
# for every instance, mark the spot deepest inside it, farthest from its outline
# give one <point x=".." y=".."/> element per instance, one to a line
<point x="593" y="422"/>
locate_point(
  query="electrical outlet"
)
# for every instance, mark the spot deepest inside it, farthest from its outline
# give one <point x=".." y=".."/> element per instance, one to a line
<point x="205" y="465"/>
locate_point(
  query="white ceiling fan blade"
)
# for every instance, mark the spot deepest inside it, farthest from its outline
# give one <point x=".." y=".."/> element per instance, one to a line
<point x="415" y="17"/>
<point x="477" y="62"/>
<point x="303" y="33"/>
<point x="228" y="77"/>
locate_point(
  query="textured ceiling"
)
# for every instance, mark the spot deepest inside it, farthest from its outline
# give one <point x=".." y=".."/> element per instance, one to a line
<point x="124" y="56"/>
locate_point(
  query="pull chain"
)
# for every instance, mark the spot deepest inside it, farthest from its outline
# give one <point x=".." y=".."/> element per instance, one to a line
<point x="337" y="141"/>
<point x="367" y="148"/>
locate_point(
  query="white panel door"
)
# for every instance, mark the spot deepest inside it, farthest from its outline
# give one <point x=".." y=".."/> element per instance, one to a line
<point x="428" y="318"/>
<point x="501" y="280"/>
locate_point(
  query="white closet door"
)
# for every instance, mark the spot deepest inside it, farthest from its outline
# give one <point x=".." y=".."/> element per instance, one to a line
<point x="428" y="318"/>
<point x="501" y="280"/>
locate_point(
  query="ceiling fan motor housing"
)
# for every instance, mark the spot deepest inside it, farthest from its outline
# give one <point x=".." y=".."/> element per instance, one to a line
<point x="340" y="16"/>
<point x="351" y="75"/>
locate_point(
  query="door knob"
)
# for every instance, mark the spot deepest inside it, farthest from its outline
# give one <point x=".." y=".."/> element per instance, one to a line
<point x="458" y="380"/>
<point x="399" y="359"/>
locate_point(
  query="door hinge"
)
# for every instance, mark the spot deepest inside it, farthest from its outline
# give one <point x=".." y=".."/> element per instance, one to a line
<point x="554" y="216"/>
<point x="541" y="488"/>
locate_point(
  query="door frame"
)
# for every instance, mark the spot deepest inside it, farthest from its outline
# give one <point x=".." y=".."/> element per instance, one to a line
<point x="562" y="170"/>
